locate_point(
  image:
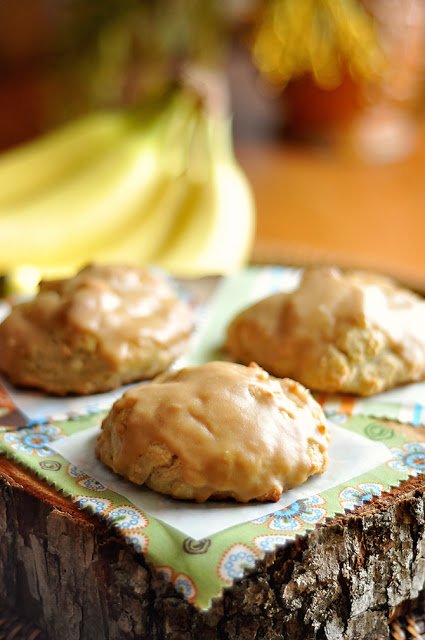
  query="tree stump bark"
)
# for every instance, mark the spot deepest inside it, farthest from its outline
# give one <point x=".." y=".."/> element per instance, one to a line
<point x="345" y="580"/>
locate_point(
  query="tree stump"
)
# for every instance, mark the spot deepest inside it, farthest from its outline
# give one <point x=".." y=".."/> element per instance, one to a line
<point x="345" y="580"/>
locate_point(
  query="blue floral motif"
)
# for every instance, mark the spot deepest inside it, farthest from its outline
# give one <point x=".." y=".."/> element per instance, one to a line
<point x="84" y="480"/>
<point x="236" y="559"/>
<point x="352" y="497"/>
<point x="95" y="505"/>
<point x="182" y="582"/>
<point x="270" y="542"/>
<point x="297" y="514"/>
<point x="92" y="484"/>
<point x="75" y="472"/>
<point x="184" y="585"/>
<point x="34" y="440"/>
<point x="127" y="518"/>
<point x="138" y="541"/>
<point x="410" y="458"/>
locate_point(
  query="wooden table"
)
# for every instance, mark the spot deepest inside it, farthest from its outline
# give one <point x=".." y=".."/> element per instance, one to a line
<point x="318" y="207"/>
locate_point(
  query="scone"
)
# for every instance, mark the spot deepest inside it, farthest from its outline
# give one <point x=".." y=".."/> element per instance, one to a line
<point x="338" y="332"/>
<point x="107" y="326"/>
<point x="219" y="430"/>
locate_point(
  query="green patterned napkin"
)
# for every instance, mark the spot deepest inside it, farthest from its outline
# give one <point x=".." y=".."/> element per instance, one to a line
<point x="200" y="569"/>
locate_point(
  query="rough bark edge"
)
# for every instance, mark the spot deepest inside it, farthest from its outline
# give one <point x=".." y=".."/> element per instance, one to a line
<point x="76" y="579"/>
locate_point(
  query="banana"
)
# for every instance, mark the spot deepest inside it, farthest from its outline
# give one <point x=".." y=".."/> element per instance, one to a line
<point x="141" y="242"/>
<point x="33" y="167"/>
<point x="67" y="225"/>
<point x="215" y="233"/>
<point x="168" y="192"/>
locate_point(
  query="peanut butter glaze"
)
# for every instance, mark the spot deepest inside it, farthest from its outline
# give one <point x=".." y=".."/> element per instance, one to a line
<point x="123" y="306"/>
<point x="352" y="332"/>
<point x="327" y="296"/>
<point x="108" y="325"/>
<point x="233" y="431"/>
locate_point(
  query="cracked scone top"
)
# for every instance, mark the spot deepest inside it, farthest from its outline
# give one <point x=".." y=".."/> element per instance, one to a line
<point x="220" y="430"/>
<point x="351" y="332"/>
<point x="106" y="326"/>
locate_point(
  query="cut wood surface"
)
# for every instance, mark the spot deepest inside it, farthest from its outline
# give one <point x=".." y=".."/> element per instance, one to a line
<point x="346" y="579"/>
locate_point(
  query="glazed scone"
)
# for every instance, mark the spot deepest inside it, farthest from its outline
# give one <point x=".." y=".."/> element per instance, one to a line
<point x="219" y="430"/>
<point x="107" y="326"/>
<point x="338" y="332"/>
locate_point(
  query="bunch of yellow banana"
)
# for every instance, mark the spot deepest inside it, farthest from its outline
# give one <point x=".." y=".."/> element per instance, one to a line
<point x="159" y="187"/>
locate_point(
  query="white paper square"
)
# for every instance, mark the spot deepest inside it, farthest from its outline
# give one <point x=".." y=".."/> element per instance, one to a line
<point x="350" y="455"/>
<point x="39" y="406"/>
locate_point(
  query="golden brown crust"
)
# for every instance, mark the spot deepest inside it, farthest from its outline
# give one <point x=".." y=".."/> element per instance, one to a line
<point x="354" y="333"/>
<point x="216" y="431"/>
<point x="107" y="326"/>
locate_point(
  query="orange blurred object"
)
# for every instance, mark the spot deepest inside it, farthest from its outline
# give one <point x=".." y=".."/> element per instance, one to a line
<point x="24" y="42"/>
<point x="316" y="114"/>
<point x="375" y="120"/>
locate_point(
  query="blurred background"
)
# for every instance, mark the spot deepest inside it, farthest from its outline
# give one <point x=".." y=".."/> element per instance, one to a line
<point x="326" y="98"/>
